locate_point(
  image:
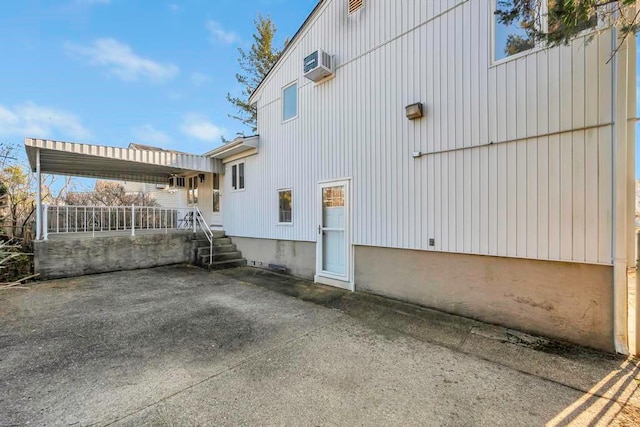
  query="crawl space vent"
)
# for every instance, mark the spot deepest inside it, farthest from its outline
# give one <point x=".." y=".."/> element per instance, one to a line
<point x="355" y="5"/>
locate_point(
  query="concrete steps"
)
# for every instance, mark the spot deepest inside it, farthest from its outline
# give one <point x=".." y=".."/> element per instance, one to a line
<point x="204" y="250"/>
<point x="221" y="241"/>
<point x="225" y="254"/>
<point x="223" y="265"/>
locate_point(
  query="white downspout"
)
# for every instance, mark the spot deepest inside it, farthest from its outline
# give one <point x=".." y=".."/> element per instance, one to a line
<point x="631" y="175"/>
<point x="38" y="197"/>
<point x="621" y="154"/>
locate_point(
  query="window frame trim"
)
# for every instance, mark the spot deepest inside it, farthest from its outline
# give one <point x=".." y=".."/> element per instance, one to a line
<point x="492" y="51"/>
<point x="281" y="190"/>
<point x="236" y="164"/>
<point x="539" y="46"/>
<point x="295" y="82"/>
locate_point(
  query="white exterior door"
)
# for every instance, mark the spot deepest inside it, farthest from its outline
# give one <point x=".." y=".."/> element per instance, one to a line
<point x="333" y="249"/>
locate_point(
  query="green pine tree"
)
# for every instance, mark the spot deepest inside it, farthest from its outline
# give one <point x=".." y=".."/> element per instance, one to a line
<point x="255" y="64"/>
<point x="565" y="19"/>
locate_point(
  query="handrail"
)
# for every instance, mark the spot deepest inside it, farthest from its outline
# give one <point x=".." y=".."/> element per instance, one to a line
<point x="207" y="231"/>
<point x="97" y="219"/>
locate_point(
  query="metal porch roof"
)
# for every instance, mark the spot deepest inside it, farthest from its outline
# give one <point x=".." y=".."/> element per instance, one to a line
<point x="125" y="164"/>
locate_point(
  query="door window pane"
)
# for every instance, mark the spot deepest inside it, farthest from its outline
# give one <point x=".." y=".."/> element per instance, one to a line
<point x="195" y="189"/>
<point x="192" y="190"/>
<point x="333" y="249"/>
<point x="333" y="223"/>
<point x="333" y="196"/>
<point x="216" y="192"/>
<point x="333" y="207"/>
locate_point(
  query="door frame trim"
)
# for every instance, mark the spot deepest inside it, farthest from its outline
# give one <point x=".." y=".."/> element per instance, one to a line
<point x="347" y="281"/>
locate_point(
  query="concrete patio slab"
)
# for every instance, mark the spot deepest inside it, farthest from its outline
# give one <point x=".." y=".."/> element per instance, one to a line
<point x="182" y="346"/>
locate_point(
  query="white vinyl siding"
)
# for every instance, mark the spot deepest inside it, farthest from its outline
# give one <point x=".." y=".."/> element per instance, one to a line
<point x="519" y="154"/>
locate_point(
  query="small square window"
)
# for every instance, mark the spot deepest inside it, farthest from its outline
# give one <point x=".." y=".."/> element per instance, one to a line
<point x="290" y="102"/>
<point x="285" y="200"/>
<point x="237" y="176"/>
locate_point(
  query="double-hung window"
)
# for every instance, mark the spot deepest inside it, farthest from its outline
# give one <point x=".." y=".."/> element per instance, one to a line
<point x="237" y="176"/>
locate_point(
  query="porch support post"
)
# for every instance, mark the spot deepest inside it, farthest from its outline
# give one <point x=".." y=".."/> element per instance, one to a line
<point x="45" y="222"/>
<point x="38" y="197"/>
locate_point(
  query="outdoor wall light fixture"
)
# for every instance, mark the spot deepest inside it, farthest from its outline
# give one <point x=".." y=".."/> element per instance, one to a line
<point x="414" y="111"/>
<point x="201" y="176"/>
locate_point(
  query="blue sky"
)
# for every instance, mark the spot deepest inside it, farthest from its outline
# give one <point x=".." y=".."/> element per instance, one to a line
<point x="119" y="71"/>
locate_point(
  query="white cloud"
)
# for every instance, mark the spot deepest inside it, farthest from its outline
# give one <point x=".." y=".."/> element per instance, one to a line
<point x="150" y="135"/>
<point x="31" y="120"/>
<point x="220" y="35"/>
<point x="199" y="79"/>
<point x="123" y="62"/>
<point x="199" y="127"/>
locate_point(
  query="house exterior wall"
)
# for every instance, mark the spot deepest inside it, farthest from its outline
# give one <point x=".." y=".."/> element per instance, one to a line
<point x="519" y="162"/>
<point x="569" y="301"/>
<point x="521" y="150"/>
<point x="299" y="258"/>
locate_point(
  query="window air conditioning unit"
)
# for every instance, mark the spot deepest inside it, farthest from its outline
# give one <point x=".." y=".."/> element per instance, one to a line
<point x="176" y="182"/>
<point x="318" y="65"/>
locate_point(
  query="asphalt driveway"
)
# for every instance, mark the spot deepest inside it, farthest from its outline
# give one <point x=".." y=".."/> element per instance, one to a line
<point x="182" y="346"/>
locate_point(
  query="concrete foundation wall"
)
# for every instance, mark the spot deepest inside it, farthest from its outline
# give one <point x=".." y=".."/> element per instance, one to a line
<point x="69" y="258"/>
<point x="568" y="301"/>
<point x="298" y="257"/>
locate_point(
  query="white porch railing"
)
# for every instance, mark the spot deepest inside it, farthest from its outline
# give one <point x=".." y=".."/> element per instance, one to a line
<point x="132" y="219"/>
<point x="202" y="224"/>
